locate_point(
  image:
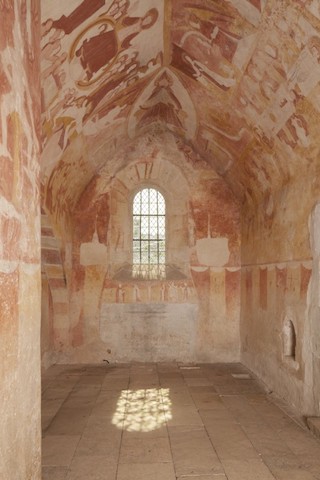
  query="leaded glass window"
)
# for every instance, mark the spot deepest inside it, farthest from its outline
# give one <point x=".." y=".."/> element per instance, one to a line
<point x="149" y="231"/>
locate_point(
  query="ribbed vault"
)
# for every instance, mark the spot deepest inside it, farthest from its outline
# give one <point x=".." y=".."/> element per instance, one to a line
<point x="227" y="94"/>
<point x="235" y="82"/>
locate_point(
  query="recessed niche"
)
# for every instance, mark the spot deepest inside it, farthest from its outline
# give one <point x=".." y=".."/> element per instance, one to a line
<point x="289" y="343"/>
<point x="289" y="339"/>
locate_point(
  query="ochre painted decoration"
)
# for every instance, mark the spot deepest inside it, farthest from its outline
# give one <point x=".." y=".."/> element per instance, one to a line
<point x="217" y="104"/>
<point x="166" y="101"/>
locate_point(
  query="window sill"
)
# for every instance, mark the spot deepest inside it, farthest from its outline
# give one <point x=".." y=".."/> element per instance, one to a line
<point x="146" y="273"/>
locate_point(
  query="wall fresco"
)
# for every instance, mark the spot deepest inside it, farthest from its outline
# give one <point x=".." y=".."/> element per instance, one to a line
<point x="20" y="240"/>
<point x="227" y="85"/>
<point x="164" y="100"/>
<point x="208" y="44"/>
<point x="229" y="94"/>
<point x="217" y="102"/>
<point x="91" y="56"/>
<point x="278" y="291"/>
<point x="280" y="287"/>
<point x="100" y="273"/>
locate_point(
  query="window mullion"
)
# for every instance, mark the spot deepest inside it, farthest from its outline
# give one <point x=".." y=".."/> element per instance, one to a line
<point x="149" y="233"/>
<point x="140" y="234"/>
<point x="158" y="256"/>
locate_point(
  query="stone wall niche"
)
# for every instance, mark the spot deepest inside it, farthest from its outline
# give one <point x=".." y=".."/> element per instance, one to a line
<point x="289" y="339"/>
<point x="289" y="343"/>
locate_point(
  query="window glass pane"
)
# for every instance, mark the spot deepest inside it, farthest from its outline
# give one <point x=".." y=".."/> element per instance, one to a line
<point x="144" y="257"/>
<point x="161" y="227"/>
<point x="161" y="205"/>
<point x="145" y="197"/>
<point x="149" y="229"/>
<point x="162" y="246"/>
<point x="136" y="257"/>
<point x="153" y="202"/>
<point x="136" y="251"/>
<point x="144" y="227"/>
<point x="153" y="227"/>
<point x="162" y="257"/>
<point x="153" y="195"/>
<point x="144" y="246"/>
<point x="136" y="227"/>
<point x="136" y="207"/>
<point x="153" y="209"/>
<point x="154" y="252"/>
<point x="145" y="209"/>
<point x="161" y="233"/>
<point x="136" y="245"/>
<point x="162" y="221"/>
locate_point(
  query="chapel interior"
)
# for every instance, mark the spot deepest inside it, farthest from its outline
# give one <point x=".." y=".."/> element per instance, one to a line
<point x="160" y="239"/>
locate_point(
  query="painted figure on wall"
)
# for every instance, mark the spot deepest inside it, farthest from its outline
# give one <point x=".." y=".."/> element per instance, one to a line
<point x="99" y="46"/>
<point x="98" y="50"/>
<point x="295" y="132"/>
<point x="205" y="44"/>
<point x="104" y="57"/>
<point x="120" y="294"/>
<point x="212" y="46"/>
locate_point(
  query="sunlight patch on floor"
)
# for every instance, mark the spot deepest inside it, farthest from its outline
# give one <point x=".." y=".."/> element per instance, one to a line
<point x="142" y="410"/>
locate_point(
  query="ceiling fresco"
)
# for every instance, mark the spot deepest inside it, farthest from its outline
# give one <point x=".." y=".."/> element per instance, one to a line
<point x="237" y="82"/>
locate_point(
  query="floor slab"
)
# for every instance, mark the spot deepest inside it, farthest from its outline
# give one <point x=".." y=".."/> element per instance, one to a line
<point x="169" y="422"/>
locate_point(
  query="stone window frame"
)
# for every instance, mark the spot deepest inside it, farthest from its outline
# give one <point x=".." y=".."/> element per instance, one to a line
<point x="122" y="192"/>
<point x="155" y="234"/>
<point x="138" y="188"/>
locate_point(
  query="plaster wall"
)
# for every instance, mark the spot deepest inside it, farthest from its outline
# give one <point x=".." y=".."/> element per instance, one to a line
<point x="20" y="433"/>
<point x="245" y="96"/>
<point x="280" y="284"/>
<point x="55" y="299"/>
<point x="190" y="315"/>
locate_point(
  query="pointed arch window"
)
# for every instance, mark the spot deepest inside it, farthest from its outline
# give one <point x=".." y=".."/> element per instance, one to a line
<point x="149" y="234"/>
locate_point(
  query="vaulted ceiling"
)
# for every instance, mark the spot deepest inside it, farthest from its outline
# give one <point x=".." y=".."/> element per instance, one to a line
<point x="236" y="82"/>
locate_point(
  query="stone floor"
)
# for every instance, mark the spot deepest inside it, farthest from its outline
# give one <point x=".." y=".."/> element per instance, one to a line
<point x="167" y="422"/>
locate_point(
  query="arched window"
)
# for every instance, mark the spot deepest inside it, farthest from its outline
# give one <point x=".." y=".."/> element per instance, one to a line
<point x="149" y="234"/>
